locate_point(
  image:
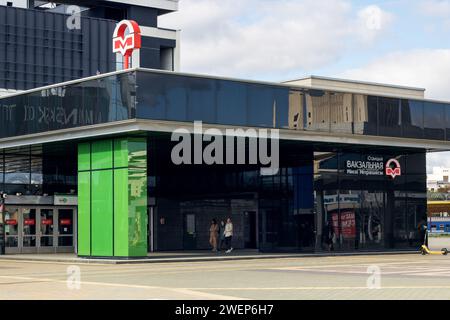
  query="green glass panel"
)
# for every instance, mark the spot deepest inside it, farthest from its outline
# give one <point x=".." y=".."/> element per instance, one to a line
<point x="120" y="153"/>
<point x="102" y="154"/>
<point x="102" y="213"/>
<point x="84" y="214"/>
<point x="84" y="156"/>
<point x="137" y="152"/>
<point x="137" y="178"/>
<point x="121" y="247"/>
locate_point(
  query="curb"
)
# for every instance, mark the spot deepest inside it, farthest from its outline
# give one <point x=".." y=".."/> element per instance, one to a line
<point x="196" y="259"/>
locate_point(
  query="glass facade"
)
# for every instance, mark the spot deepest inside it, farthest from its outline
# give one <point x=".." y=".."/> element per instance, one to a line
<point x="322" y="194"/>
<point x="92" y="102"/>
<point x="324" y="197"/>
<point x="359" y="207"/>
<point x="38" y="170"/>
<point x="174" y="97"/>
<point x="226" y="102"/>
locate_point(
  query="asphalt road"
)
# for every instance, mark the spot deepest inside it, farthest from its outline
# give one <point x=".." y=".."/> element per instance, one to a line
<point x="390" y="277"/>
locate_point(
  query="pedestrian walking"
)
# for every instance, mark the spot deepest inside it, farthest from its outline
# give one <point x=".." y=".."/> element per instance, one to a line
<point x="213" y="234"/>
<point x="228" y="233"/>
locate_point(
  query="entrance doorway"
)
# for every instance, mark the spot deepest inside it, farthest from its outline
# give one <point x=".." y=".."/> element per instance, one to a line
<point x="40" y="229"/>
<point x="190" y="234"/>
<point x="250" y="230"/>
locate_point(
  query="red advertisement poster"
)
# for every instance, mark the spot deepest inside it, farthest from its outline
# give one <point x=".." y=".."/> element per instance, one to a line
<point x="47" y="222"/>
<point x="11" y="222"/>
<point x="65" y="222"/>
<point x="348" y="224"/>
<point x="29" y="222"/>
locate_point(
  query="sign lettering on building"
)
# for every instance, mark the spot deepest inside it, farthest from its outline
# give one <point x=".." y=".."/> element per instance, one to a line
<point x="374" y="166"/>
<point x="371" y="166"/>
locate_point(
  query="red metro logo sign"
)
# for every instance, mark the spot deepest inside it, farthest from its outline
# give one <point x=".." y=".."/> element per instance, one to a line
<point x="393" y="168"/>
<point x="126" y="39"/>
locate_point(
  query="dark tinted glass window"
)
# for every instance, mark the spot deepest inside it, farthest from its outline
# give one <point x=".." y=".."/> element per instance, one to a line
<point x="370" y="116"/>
<point x="434" y="121"/>
<point x="151" y="96"/>
<point x="79" y="104"/>
<point x="125" y="95"/>
<point x="231" y="103"/>
<point x="412" y="119"/>
<point x="201" y="99"/>
<point x="89" y="97"/>
<point x="281" y="107"/>
<point x="447" y="120"/>
<point x="260" y="106"/>
<point x="415" y="163"/>
<point x="389" y="117"/>
<point x="2" y="168"/>
<point x="176" y="100"/>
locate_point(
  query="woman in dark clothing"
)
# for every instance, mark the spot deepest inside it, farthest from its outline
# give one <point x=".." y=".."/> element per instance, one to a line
<point x="221" y="235"/>
<point x="327" y="236"/>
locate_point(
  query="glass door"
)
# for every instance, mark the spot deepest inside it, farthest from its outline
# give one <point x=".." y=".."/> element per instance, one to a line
<point x="190" y="235"/>
<point x="29" y="236"/>
<point x="12" y="230"/>
<point x="47" y="230"/>
<point x="65" y="230"/>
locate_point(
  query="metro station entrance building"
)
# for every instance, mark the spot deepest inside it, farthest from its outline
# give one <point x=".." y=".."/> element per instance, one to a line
<point x="87" y="165"/>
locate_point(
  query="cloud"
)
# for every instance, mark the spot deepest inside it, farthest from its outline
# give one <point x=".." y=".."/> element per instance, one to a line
<point x="438" y="159"/>
<point x="269" y="39"/>
<point x="425" y="68"/>
<point x="372" y="20"/>
<point x="435" y="8"/>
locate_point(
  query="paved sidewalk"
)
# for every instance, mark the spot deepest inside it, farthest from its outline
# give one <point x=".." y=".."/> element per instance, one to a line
<point x="194" y="256"/>
<point x="398" y="276"/>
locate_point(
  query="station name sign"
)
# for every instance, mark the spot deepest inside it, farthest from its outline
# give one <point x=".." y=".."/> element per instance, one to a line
<point x="374" y="166"/>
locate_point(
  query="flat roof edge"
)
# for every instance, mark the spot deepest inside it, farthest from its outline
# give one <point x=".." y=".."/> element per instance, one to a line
<point x="68" y="83"/>
<point x="205" y="76"/>
<point x="378" y="84"/>
<point x="146" y="125"/>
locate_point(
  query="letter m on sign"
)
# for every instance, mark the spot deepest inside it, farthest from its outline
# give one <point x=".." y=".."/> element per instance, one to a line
<point x="123" y="45"/>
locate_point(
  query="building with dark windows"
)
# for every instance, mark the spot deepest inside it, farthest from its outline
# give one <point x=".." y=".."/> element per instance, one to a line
<point x="41" y="45"/>
<point x="88" y="167"/>
<point x="91" y="163"/>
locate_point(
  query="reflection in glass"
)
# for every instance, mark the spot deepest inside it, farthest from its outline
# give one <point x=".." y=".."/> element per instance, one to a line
<point x="29" y="227"/>
<point x="65" y="227"/>
<point x="389" y="117"/>
<point x="412" y="118"/>
<point x="231" y="103"/>
<point x="318" y="111"/>
<point x="11" y="227"/>
<point x="90" y="102"/>
<point x="296" y="110"/>
<point x="47" y="227"/>
<point x="434" y="118"/>
<point x="341" y="112"/>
